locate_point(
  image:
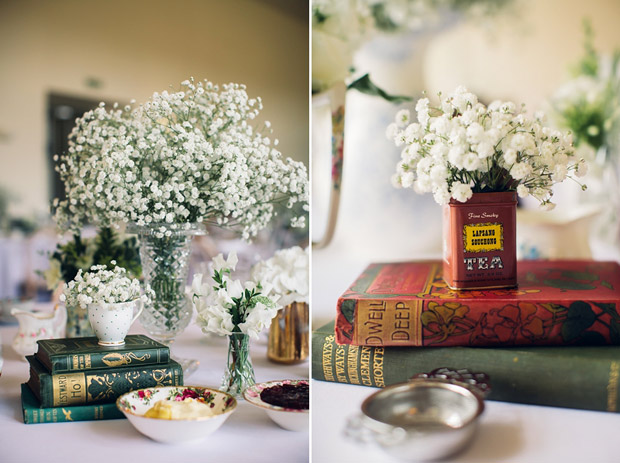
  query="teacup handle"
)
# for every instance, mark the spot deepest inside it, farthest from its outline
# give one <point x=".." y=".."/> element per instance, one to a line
<point x="135" y="317"/>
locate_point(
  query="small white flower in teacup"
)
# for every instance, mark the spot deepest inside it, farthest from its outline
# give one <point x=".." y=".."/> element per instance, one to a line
<point x="227" y="306"/>
<point x="287" y="271"/>
<point x="102" y="286"/>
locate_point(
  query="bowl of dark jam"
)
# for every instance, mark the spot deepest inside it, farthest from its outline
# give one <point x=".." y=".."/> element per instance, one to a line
<point x="287" y="402"/>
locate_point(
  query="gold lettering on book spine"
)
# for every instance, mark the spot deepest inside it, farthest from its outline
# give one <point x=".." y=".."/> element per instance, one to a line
<point x="377" y="367"/>
<point x="340" y="364"/>
<point x="389" y="322"/>
<point x="81" y="362"/>
<point x="68" y="389"/>
<point x="328" y="352"/>
<point x="352" y="367"/>
<point x="612" y="387"/>
<point x="365" y="365"/>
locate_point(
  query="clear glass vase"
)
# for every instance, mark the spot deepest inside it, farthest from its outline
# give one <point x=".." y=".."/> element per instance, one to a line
<point x="164" y="254"/>
<point x="239" y="373"/>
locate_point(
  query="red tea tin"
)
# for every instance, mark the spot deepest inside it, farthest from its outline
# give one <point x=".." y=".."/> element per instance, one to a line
<point x="479" y="241"/>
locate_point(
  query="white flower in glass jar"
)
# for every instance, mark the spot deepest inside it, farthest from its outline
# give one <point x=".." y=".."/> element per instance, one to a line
<point x="102" y="286"/>
<point x="461" y="147"/>
<point x="287" y="272"/>
<point x="185" y="157"/>
<point x="226" y="306"/>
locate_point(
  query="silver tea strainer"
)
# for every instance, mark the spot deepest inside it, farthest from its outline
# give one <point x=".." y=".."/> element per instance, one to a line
<point x="431" y="416"/>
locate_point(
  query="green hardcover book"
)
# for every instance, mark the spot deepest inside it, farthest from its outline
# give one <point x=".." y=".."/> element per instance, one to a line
<point x="79" y="354"/>
<point x="97" y="386"/>
<point x="568" y="376"/>
<point x="33" y="413"/>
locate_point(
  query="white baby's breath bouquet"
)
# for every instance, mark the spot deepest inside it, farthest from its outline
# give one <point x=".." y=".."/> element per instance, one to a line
<point x="227" y="306"/>
<point x="102" y="286"/>
<point x="287" y="272"/>
<point x="184" y="157"/>
<point x="461" y="147"/>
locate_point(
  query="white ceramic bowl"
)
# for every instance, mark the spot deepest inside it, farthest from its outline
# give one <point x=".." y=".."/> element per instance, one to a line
<point x="134" y="405"/>
<point x="287" y="418"/>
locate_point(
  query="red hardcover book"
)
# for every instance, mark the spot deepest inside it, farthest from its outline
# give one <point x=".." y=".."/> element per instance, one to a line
<point x="555" y="303"/>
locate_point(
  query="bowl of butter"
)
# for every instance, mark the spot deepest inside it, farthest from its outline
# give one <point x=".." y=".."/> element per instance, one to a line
<point x="176" y="414"/>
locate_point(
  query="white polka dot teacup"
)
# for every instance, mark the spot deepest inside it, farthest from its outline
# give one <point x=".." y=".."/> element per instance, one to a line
<point x="111" y="322"/>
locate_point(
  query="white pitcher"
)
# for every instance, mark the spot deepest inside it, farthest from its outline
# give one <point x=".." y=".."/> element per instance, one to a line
<point x="37" y="325"/>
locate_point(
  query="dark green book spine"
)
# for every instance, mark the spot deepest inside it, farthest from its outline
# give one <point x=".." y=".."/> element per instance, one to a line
<point x="34" y="414"/>
<point x="81" y="354"/>
<point x="97" y="386"/>
<point x="569" y="377"/>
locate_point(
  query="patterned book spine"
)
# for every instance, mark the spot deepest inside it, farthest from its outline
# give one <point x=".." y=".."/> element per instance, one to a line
<point x="97" y="386"/>
<point x="80" y="362"/>
<point x="34" y="414"/>
<point x="571" y="377"/>
<point x="80" y="354"/>
<point x="409" y="304"/>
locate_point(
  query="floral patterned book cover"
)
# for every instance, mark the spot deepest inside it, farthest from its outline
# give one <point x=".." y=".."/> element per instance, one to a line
<point x="555" y="303"/>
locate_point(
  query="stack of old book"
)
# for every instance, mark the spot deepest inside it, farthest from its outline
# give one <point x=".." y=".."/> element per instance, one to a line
<point x="554" y="340"/>
<point x="77" y="380"/>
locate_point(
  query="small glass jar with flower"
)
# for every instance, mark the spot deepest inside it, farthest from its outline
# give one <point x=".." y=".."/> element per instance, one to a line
<point x="238" y="310"/>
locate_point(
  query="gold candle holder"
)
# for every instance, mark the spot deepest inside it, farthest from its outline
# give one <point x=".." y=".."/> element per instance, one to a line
<point x="288" y="334"/>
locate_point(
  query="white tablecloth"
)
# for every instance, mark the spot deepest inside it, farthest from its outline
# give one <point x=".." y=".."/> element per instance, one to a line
<point x="248" y="435"/>
<point x="508" y="433"/>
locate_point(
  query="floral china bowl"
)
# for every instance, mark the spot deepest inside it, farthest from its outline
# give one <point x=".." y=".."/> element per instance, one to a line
<point x="287" y="418"/>
<point x="136" y="403"/>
